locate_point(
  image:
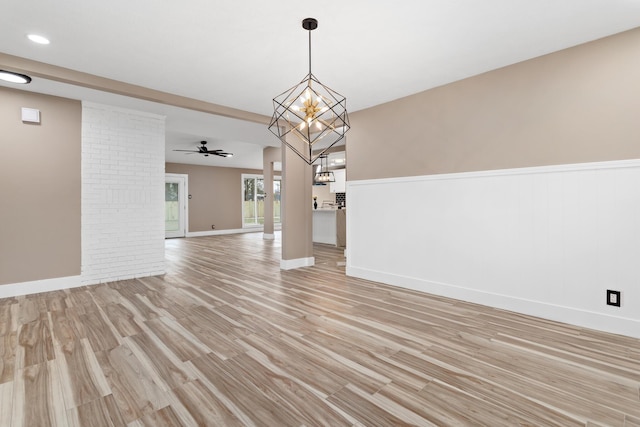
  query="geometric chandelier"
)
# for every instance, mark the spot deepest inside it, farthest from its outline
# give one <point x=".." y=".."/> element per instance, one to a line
<point x="310" y="117"/>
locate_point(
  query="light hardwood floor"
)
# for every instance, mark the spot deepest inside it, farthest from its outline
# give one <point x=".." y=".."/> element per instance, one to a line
<point x="226" y="338"/>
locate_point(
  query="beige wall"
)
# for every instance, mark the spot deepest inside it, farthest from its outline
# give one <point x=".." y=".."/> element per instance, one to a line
<point x="578" y="105"/>
<point x="216" y="195"/>
<point x="40" y="176"/>
<point x="323" y="192"/>
<point x="297" y="201"/>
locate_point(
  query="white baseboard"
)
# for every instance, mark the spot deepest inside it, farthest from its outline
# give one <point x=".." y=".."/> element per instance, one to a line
<point x="221" y="232"/>
<point x="109" y="279"/>
<point x="229" y="231"/>
<point x="38" y="286"/>
<point x="268" y="236"/>
<point x="570" y="315"/>
<point x="290" y="264"/>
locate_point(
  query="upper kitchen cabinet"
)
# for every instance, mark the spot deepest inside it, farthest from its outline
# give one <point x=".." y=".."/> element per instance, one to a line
<point x="340" y="185"/>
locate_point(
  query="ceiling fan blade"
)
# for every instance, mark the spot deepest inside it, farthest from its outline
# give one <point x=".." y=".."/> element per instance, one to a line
<point x="204" y="150"/>
<point x="219" y="152"/>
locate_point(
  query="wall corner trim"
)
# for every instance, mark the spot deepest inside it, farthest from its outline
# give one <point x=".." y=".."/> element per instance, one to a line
<point x="38" y="286"/>
<point x="291" y="264"/>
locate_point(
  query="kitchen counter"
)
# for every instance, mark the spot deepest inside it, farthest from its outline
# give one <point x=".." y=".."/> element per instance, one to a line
<point x="329" y="226"/>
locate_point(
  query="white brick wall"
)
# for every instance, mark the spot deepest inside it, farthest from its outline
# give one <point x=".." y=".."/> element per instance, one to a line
<point x="122" y="194"/>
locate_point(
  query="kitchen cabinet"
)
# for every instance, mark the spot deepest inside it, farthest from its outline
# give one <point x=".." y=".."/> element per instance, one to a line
<point x="340" y="185"/>
<point x="329" y="226"/>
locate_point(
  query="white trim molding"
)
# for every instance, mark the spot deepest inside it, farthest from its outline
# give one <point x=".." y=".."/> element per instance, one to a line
<point x="291" y="264"/>
<point x="268" y="236"/>
<point x="222" y="232"/>
<point x="38" y="286"/>
<point x="229" y="231"/>
<point x="574" y="167"/>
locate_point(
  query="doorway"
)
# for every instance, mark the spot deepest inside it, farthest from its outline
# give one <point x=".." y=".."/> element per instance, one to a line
<point x="175" y="205"/>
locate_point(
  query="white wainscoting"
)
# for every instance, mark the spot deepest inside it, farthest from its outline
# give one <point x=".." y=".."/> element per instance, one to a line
<point x="545" y="241"/>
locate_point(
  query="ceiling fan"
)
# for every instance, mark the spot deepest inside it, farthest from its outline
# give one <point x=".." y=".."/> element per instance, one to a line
<point x="204" y="150"/>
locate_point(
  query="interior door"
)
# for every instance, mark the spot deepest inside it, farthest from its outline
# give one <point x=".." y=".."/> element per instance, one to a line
<point x="175" y="206"/>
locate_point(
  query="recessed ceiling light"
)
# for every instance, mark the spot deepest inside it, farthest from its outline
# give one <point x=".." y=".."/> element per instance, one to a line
<point x="38" y="39"/>
<point x="11" y="77"/>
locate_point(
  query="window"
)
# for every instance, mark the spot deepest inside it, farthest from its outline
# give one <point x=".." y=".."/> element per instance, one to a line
<point x="253" y="193"/>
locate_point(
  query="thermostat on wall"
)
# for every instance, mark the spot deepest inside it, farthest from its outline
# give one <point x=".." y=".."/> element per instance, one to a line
<point x="30" y="115"/>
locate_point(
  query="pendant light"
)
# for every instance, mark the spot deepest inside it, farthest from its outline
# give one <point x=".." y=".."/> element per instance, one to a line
<point x="310" y="117"/>
<point x="324" y="175"/>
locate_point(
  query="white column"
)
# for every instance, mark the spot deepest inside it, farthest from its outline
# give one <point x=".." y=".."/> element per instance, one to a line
<point x="269" y="156"/>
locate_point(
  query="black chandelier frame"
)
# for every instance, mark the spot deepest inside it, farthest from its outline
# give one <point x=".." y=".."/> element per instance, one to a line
<point x="321" y="122"/>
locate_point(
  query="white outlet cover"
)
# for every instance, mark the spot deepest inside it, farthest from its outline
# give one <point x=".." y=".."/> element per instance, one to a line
<point x="30" y="115"/>
<point x="613" y="298"/>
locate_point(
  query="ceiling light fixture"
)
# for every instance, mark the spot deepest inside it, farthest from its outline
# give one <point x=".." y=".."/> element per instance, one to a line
<point x="324" y="175"/>
<point x="202" y="149"/>
<point x="310" y="117"/>
<point x="9" y="76"/>
<point x="38" y="39"/>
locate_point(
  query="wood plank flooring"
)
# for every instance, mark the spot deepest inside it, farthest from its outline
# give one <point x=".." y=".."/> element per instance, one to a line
<point x="226" y="338"/>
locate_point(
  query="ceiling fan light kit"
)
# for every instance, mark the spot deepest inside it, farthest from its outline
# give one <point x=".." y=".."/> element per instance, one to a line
<point x="202" y="149"/>
<point x="310" y="117"/>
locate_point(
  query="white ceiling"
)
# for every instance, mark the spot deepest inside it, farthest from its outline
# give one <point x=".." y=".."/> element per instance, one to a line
<point x="242" y="54"/>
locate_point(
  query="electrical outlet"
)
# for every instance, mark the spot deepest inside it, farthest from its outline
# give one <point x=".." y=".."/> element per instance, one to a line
<point x="613" y="298"/>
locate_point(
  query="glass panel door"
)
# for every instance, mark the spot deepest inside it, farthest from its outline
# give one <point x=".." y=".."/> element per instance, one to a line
<point x="174" y="206"/>
<point x="276" y="201"/>
<point x="253" y="193"/>
<point x="253" y="207"/>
